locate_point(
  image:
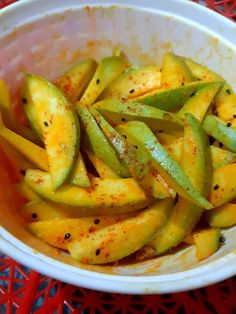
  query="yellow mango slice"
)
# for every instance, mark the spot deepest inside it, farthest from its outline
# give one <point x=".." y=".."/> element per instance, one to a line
<point x="123" y="194"/>
<point x="74" y="81"/>
<point x="133" y="83"/>
<point x="174" y="71"/>
<point x="121" y="239"/>
<point x="207" y="242"/>
<point x="61" y="232"/>
<point x="224" y="185"/>
<point x="222" y="217"/>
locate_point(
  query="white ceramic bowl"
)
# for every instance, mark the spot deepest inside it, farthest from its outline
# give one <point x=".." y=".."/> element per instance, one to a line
<point x="46" y="37"/>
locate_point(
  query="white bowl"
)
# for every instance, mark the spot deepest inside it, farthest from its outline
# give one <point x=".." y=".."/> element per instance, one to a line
<point x="46" y="37"/>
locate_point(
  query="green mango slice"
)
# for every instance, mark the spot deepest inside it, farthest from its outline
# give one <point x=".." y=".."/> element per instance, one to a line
<point x="121" y="239"/>
<point x="108" y="69"/>
<point x="168" y="168"/>
<point x="98" y="143"/>
<point x="223" y="185"/>
<point x="203" y="97"/>
<point x="58" y="124"/>
<point x="137" y="163"/>
<point x="174" y="71"/>
<point x="59" y="233"/>
<point x="124" y="195"/>
<point x="74" y="81"/>
<point x="220" y="131"/>
<point x="79" y="175"/>
<point x="196" y="162"/>
<point x="132" y="83"/>
<point x="116" y="112"/>
<point x="207" y="242"/>
<point x="170" y="99"/>
<point x="222" y="217"/>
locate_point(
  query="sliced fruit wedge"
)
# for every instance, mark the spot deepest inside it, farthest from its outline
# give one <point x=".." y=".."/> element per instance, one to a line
<point x="174" y="71"/>
<point x="199" y="103"/>
<point x="104" y="171"/>
<point x="168" y="168"/>
<point x="97" y="142"/>
<point x="34" y="153"/>
<point x="132" y="83"/>
<point x="108" y="69"/>
<point x="202" y="73"/>
<point x="79" y="175"/>
<point x="52" y="115"/>
<point x="9" y="115"/>
<point x="224" y="185"/>
<point x="196" y="162"/>
<point x="220" y="157"/>
<point x="207" y="242"/>
<point x="116" y="112"/>
<point x="220" y="131"/>
<point x="170" y="99"/>
<point x="59" y="233"/>
<point x="138" y="163"/>
<point x="121" y="239"/>
<point x="123" y="195"/>
<point x="74" y="81"/>
<point x="222" y="217"/>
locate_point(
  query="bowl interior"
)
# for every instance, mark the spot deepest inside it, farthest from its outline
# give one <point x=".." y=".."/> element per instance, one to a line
<point x="47" y="44"/>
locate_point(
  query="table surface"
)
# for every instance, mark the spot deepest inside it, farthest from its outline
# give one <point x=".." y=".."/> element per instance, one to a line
<point x="24" y="291"/>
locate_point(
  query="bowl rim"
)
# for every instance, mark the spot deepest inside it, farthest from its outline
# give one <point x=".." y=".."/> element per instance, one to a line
<point x="181" y="281"/>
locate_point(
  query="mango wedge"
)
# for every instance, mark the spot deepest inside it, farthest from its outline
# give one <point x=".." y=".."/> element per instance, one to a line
<point x="220" y="131"/>
<point x="74" y="81"/>
<point x="207" y="242"/>
<point x="79" y="175"/>
<point x="199" y="103"/>
<point x="59" y="233"/>
<point x="132" y="83"/>
<point x="196" y="162"/>
<point x="224" y="185"/>
<point x="104" y="171"/>
<point x="168" y="168"/>
<point x="17" y="160"/>
<point x="98" y="143"/>
<point x="174" y="71"/>
<point x="222" y="217"/>
<point x="108" y="69"/>
<point x="138" y="164"/>
<point x="170" y="99"/>
<point x="220" y="157"/>
<point x="226" y="109"/>
<point x="202" y="73"/>
<point x="51" y="113"/>
<point x="116" y="112"/>
<point x="34" y="153"/>
<point x="9" y="116"/>
<point x="27" y="192"/>
<point x="122" y="194"/>
<point x="121" y="239"/>
<point x="39" y="210"/>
